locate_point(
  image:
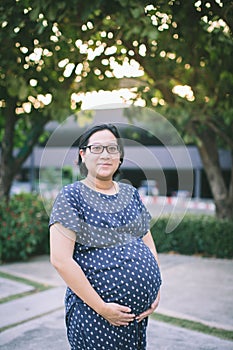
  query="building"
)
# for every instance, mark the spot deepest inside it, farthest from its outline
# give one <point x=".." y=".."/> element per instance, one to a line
<point x="174" y="168"/>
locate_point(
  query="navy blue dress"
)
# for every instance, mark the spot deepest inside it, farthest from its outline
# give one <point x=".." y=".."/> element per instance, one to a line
<point x="120" y="267"/>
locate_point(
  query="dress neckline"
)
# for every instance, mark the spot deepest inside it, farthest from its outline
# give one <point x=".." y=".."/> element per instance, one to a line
<point x="101" y="193"/>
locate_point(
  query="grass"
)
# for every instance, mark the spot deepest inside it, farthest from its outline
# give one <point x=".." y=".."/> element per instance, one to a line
<point x="194" y="326"/>
<point x="37" y="287"/>
<point x="183" y="323"/>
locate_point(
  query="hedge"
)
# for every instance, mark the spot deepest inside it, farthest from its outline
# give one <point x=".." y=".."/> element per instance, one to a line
<point x="24" y="232"/>
<point x="23" y="229"/>
<point x="196" y="234"/>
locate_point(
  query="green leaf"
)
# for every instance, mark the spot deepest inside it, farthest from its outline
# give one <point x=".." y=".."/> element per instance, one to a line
<point x="34" y="13"/>
<point x="51" y="13"/>
<point x="137" y="12"/>
<point x="12" y="86"/>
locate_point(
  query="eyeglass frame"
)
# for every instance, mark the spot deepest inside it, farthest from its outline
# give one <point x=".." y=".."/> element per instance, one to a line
<point x="103" y="148"/>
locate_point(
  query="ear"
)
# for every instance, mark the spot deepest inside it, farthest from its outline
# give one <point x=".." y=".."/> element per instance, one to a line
<point x="82" y="155"/>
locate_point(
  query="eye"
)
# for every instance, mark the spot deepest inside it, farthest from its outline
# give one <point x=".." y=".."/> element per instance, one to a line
<point x="113" y="149"/>
<point x="96" y="148"/>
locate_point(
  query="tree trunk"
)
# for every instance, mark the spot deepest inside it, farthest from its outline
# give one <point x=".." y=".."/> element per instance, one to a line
<point x="10" y="165"/>
<point x="223" y="197"/>
<point x="7" y="159"/>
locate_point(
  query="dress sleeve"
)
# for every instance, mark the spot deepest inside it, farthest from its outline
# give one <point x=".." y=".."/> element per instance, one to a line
<point x="66" y="211"/>
<point x="145" y="215"/>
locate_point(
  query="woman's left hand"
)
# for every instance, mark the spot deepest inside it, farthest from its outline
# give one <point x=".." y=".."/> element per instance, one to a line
<point x="148" y="312"/>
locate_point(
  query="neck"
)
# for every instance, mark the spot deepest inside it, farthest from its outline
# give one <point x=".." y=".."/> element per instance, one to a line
<point x="101" y="185"/>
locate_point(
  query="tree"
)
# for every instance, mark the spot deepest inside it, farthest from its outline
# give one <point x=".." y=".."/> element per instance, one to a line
<point x="40" y="68"/>
<point x="198" y="57"/>
<point x="74" y="46"/>
<point x="181" y="45"/>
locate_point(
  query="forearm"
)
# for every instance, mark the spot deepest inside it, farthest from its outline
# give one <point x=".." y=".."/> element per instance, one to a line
<point x="62" y="243"/>
<point x="148" y="240"/>
<point x="61" y="257"/>
<point x="75" y="278"/>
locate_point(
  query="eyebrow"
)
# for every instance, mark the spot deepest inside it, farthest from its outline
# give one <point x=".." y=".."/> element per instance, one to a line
<point x="100" y="144"/>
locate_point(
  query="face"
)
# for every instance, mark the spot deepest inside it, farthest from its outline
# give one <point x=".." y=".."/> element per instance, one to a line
<point x="103" y="165"/>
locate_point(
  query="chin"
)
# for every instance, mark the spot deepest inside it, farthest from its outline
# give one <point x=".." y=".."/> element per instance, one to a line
<point x="104" y="175"/>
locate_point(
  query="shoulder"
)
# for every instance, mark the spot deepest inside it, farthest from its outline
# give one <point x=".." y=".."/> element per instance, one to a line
<point x="73" y="187"/>
<point x="70" y="191"/>
<point x="128" y="188"/>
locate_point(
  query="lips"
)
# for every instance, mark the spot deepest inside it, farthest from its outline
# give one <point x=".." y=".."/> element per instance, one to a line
<point x="105" y="164"/>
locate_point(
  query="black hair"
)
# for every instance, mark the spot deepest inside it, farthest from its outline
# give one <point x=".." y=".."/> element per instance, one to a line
<point x="84" y="139"/>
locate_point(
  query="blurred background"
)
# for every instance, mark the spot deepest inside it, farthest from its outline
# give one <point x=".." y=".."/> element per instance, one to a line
<point x="134" y="63"/>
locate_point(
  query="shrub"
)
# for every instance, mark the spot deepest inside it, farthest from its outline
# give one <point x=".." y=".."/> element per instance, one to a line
<point x="24" y="232"/>
<point x="196" y="234"/>
<point x="24" y="228"/>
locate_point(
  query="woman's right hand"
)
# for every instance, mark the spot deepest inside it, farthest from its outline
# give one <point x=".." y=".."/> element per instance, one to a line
<point x="116" y="314"/>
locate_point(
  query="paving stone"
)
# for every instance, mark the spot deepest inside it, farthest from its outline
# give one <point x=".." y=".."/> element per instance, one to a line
<point x="9" y="287"/>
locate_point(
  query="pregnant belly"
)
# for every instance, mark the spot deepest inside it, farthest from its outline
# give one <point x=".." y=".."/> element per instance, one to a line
<point x="129" y="275"/>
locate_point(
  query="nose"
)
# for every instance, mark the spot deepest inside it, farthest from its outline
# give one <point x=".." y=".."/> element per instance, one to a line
<point x="105" y="153"/>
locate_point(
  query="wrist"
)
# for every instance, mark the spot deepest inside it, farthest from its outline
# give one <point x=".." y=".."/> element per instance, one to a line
<point x="100" y="307"/>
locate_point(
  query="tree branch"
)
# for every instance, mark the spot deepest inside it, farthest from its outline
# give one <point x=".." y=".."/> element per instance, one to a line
<point x="218" y="131"/>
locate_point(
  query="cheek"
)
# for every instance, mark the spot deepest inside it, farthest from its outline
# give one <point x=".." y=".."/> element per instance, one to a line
<point x="90" y="162"/>
<point x="117" y="163"/>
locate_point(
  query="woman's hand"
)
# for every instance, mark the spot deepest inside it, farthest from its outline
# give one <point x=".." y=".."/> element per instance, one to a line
<point x="148" y="312"/>
<point x="116" y="314"/>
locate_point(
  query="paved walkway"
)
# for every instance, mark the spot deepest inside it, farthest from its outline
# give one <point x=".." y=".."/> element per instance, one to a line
<point x="193" y="288"/>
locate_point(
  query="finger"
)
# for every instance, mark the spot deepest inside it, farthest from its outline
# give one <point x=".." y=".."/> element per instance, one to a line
<point x="122" y="319"/>
<point x="120" y="322"/>
<point x="125" y="309"/>
<point x="144" y="314"/>
<point x="126" y="317"/>
<point x="148" y="312"/>
<point x="141" y="317"/>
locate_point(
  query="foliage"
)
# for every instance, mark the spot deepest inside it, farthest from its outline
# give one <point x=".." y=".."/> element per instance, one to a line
<point x="41" y="65"/>
<point x="24" y="228"/>
<point x="196" y="234"/>
<point x="52" y="54"/>
<point x="187" y="76"/>
<point x="74" y="47"/>
<point x="24" y="232"/>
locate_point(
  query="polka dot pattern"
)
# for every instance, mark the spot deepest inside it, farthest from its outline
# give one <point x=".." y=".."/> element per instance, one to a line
<point x="101" y="220"/>
<point x="89" y="331"/>
<point x="124" y="271"/>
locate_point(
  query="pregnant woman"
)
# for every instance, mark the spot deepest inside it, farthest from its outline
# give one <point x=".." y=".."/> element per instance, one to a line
<point x="101" y="246"/>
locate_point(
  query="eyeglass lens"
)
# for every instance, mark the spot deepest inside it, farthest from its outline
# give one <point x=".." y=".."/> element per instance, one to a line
<point x="99" y="149"/>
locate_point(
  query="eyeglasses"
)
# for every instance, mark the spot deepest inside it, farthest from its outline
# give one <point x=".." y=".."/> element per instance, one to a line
<point x="98" y="149"/>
